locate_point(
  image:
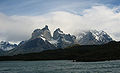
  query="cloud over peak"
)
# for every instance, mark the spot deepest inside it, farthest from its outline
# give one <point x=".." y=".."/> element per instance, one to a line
<point x="17" y="28"/>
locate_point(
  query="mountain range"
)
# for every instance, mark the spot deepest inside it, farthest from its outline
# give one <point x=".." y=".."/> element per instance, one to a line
<point x="41" y="39"/>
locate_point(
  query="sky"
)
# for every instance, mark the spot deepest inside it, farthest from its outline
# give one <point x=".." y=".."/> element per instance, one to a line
<point x="19" y="18"/>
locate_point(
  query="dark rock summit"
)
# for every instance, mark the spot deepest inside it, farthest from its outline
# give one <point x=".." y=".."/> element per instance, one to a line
<point x="63" y="39"/>
<point x="45" y="32"/>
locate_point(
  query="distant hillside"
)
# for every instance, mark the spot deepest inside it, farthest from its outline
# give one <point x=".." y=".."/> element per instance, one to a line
<point x="109" y="51"/>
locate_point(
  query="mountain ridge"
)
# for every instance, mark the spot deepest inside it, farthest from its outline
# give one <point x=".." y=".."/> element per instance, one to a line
<point x="79" y="53"/>
<point x="45" y="41"/>
<point x="6" y="46"/>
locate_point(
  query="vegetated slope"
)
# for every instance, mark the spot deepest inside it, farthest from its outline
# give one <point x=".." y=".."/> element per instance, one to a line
<point x="109" y="51"/>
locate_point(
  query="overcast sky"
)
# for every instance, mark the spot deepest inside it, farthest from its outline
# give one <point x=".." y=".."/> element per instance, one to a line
<point x="18" y="18"/>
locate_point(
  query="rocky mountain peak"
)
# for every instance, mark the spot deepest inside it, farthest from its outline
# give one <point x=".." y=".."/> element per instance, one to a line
<point x="46" y="27"/>
<point x="61" y="40"/>
<point x="101" y="35"/>
<point x="44" y="32"/>
<point x="58" y="30"/>
<point x="58" y="33"/>
<point x="93" y="37"/>
<point x="5" y="46"/>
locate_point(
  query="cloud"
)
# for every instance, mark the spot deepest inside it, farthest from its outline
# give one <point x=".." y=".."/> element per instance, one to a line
<point x="37" y="7"/>
<point x="17" y="28"/>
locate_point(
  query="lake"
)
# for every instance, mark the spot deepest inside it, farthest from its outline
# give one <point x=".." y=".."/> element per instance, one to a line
<point x="59" y="66"/>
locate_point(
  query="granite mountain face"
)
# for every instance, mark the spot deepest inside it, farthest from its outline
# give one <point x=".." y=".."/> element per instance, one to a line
<point x="45" y="33"/>
<point x="41" y="39"/>
<point x="63" y="40"/>
<point x="38" y="42"/>
<point x="31" y="46"/>
<point x="93" y="37"/>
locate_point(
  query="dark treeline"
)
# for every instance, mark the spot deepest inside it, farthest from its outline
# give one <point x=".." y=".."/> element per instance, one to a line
<point x="86" y="53"/>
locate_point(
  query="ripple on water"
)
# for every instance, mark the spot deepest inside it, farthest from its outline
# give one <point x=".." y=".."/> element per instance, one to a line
<point x="59" y="67"/>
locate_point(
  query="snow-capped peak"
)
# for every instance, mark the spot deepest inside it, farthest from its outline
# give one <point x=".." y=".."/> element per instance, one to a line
<point x="99" y="35"/>
<point x="59" y="31"/>
<point x="93" y="37"/>
<point x="5" y="46"/>
<point x="45" y="28"/>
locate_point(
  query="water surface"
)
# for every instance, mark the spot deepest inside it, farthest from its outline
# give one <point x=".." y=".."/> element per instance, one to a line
<point x="63" y="66"/>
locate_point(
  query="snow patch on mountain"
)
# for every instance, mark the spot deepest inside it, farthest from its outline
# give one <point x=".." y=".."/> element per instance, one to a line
<point x="53" y="41"/>
<point x="43" y="38"/>
<point x="93" y="37"/>
<point x="6" y="46"/>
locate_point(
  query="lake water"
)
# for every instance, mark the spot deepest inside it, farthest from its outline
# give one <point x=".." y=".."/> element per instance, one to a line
<point x="63" y="66"/>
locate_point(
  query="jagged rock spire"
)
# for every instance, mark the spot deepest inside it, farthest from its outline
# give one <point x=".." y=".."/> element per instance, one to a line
<point x="46" y="27"/>
<point x="57" y="33"/>
<point x="44" y="32"/>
